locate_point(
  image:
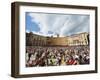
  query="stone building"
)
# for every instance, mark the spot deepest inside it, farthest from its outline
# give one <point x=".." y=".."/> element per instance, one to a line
<point x="79" y="39"/>
<point x="35" y="40"/>
<point x="73" y="40"/>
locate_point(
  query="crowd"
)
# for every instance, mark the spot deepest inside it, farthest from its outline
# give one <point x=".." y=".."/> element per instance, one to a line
<point x="57" y="56"/>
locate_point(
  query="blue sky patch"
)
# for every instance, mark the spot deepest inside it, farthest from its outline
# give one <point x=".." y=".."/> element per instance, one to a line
<point x="31" y="25"/>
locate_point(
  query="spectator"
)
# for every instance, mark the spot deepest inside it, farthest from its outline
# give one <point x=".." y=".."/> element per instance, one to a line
<point x="57" y="56"/>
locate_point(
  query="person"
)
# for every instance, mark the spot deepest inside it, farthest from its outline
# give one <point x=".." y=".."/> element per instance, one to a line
<point x="71" y="61"/>
<point x="57" y="56"/>
<point x="63" y="61"/>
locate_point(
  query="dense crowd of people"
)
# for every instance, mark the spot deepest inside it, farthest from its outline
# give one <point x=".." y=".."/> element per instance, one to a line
<point x="57" y="56"/>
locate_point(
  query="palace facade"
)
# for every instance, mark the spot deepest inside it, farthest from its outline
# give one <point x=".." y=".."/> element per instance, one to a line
<point x="73" y="40"/>
<point x="35" y="40"/>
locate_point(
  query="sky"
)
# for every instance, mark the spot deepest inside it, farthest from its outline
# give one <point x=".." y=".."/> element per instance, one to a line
<point x="49" y="24"/>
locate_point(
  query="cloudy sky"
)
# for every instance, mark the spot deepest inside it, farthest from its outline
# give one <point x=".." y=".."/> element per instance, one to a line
<point x="48" y="24"/>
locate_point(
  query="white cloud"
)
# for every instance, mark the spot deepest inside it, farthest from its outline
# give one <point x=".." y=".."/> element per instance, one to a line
<point x="60" y="24"/>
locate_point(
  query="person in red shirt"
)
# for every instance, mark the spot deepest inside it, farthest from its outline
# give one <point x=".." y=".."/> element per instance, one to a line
<point x="72" y="61"/>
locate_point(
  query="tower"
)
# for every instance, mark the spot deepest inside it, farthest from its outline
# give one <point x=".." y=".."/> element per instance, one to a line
<point x="57" y="35"/>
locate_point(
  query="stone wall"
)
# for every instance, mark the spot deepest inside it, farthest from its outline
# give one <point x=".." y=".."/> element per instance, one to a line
<point x="76" y="39"/>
